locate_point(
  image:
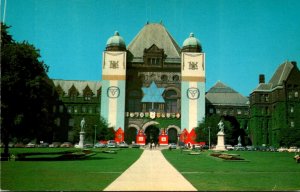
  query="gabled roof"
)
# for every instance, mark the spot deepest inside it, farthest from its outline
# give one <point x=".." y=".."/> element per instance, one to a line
<point x="280" y="75"/>
<point x="79" y="85"/>
<point x="221" y="94"/>
<point x="157" y="34"/>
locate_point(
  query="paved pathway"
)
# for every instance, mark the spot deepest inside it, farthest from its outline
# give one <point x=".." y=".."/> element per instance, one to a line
<point x="151" y="172"/>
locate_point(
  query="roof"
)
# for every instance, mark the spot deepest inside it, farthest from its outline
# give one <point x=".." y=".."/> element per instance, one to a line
<point x="280" y="75"/>
<point x="116" y="40"/>
<point x="78" y="84"/>
<point x="191" y="41"/>
<point x="157" y="34"/>
<point x="221" y="94"/>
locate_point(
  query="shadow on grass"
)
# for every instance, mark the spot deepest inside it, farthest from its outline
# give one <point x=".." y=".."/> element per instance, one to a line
<point x="59" y="156"/>
<point x="61" y="159"/>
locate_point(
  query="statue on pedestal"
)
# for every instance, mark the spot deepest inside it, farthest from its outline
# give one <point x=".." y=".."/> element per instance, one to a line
<point x="221" y="137"/>
<point x="221" y="126"/>
<point x="82" y="125"/>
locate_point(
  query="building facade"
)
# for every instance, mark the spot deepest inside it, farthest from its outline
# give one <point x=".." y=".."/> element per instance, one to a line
<point x="153" y="60"/>
<point x="155" y="89"/>
<point x="275" y="106"/>
<point x="77" y="100"/>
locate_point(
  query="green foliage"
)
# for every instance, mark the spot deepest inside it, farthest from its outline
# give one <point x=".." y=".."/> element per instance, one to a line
<point x="231" y="128"/>
<point x="289" y="137"/>
<point x="26" y="106"/>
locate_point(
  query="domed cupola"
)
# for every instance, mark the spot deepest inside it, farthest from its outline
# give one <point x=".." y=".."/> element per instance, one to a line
<point x="191" y="44"/>
<point x="115" y="43"/>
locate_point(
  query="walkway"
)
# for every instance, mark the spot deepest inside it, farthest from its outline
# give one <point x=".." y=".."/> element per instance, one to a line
<point x="151" y="172"/>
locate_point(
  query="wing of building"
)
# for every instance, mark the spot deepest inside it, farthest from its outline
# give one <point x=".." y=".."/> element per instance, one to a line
<point x="275" y="105"/>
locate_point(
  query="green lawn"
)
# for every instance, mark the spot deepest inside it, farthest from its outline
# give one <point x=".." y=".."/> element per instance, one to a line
<point x="93" y="173"/>
<point x="261" y="171"/>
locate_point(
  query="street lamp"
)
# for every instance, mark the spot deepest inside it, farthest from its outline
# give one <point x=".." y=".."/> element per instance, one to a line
<point x="208" y="137"/>
<point x="95" y="135"/>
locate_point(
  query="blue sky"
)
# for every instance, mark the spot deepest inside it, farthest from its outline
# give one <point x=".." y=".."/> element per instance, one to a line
<point x="241" y="38"/>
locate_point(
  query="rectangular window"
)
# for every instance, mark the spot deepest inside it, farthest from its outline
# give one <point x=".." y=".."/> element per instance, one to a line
<point x="75" y="109"/>
<point x="70" y="109"/>
<point x="292" y="124"/>
<point x="57" y="121"/>
<point x="90" y="110"/>
<point x="239" y="112"/>
<point x="61" y="108"/>
<point x="83" y="109"/>
<point x="211" y="110"/>
<point x="71" y="122"/>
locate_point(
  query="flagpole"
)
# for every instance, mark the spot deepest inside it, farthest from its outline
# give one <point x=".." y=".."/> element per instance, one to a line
<point x="4" y="12"/>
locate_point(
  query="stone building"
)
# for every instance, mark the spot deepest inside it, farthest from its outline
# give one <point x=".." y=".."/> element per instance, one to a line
<point x="275" y="106"/>
<point x="225" y="101"/>
<point x="77" y="100"/>
<point x="153" y="62"/>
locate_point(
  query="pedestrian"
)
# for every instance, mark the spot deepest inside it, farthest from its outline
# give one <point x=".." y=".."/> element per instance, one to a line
<point x="150" y="145"/>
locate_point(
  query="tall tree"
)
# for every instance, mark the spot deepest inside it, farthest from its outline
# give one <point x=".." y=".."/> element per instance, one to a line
<point x="27" y="94"/>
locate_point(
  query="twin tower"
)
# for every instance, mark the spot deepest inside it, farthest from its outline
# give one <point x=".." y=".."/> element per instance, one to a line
<point x="153" y="56"/>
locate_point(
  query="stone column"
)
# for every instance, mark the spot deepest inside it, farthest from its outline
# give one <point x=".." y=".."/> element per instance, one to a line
<point x="81" y="139"/>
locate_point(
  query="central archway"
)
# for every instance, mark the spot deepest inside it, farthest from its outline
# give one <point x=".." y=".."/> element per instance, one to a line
<point x="152" y="134"/>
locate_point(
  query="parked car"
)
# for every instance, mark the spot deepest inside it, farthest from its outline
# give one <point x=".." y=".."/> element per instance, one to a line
<point x="172" y="146"/>
<point x="293" y="150"/>
<point x="123" y="144"/>
<point x="111" y="144"/>
<point x="272" y="149"/>
<point x="250" y="148"/>
<point x="43" y="145"/>
<point x="30" y="145"/>
<point x="239" y="148"/>
<point x="88" y="145"/>
<point x="66" y="145"/>
<point x="135" y="145"/>
<point x="229" y="147"/>
<point x="100" y="145"/>
<point x="18" y="145"/>
<point x="282" y="149"/>
<point x="55" y="144"/>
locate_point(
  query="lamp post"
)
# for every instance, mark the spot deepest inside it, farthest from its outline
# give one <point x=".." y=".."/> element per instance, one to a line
<point x="208" y="137"/>
<point x="95" y="135"/>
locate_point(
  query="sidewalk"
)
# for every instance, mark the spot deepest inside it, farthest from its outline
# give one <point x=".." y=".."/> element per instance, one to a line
<point x="151" y="172"/>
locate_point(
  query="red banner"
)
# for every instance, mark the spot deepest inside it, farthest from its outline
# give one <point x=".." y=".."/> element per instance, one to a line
<point x="119" y="135"/>
<point x="141" y="138"/>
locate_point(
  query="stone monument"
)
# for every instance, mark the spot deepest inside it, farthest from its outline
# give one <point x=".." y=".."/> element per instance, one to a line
<point x="239" y="141"/>
<point x="81" y="137"/>
<point x="221" y="137"/>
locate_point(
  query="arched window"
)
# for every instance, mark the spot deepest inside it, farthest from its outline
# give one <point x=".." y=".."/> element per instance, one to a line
<point x="171" y="98"/>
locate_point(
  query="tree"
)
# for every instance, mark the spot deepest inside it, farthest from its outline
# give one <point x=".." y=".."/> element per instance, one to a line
<point x="28" y="94"/>
<point x="210" y="124"/>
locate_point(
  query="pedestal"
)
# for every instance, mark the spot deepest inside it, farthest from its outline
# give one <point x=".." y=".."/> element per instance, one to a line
<point x="221" y="141"/>
<point x="81" y="139"/>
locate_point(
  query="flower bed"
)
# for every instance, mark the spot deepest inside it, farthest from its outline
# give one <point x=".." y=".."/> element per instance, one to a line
<point x="226" y="156"/>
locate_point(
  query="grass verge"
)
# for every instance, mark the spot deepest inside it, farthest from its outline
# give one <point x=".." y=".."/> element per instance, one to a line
<point x="262" y="171"/>
<point x="90" y="174"/>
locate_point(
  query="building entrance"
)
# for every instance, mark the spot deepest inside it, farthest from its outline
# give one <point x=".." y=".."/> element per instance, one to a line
<point x="152" y="134"/>
<point x="173" y="135"/>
